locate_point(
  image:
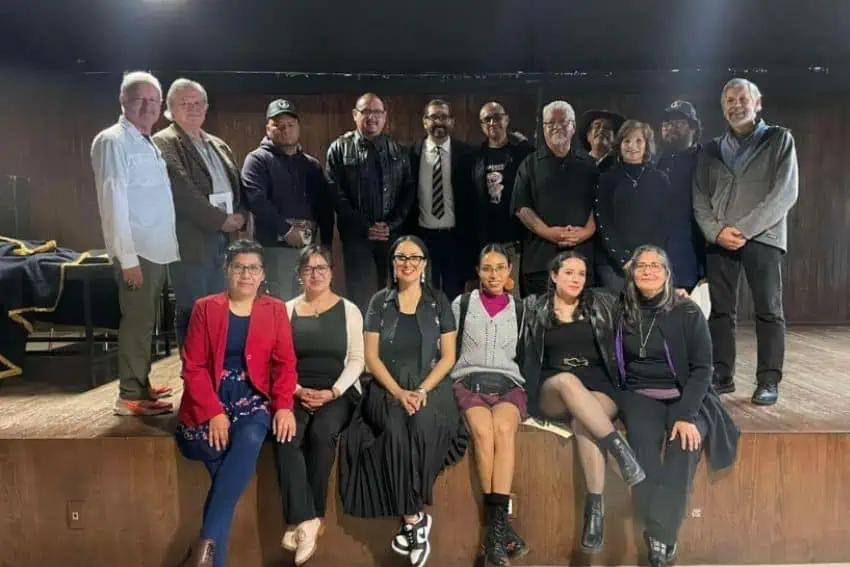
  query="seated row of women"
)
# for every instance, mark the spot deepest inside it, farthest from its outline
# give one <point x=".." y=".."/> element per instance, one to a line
<point x="437" y="375"/>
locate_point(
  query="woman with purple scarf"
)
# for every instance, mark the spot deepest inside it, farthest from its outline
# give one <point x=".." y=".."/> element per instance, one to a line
<point x="662" y="349"/>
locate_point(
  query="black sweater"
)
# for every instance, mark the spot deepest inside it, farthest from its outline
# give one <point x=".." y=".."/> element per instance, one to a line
<point x="631" y="210"/>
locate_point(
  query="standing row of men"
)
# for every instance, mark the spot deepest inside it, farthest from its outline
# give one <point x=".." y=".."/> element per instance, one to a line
<point x="170" y="202"/>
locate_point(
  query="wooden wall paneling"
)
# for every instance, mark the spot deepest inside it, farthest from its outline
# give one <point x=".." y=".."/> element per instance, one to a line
<point x="51" y="119"/>
<point x="783" y="502"/>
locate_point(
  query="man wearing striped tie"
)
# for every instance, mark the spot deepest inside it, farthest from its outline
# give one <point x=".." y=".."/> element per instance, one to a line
<point x="443" y="208"/>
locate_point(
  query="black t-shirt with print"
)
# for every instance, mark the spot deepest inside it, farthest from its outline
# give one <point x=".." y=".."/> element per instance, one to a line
<point x="499" y="224"/>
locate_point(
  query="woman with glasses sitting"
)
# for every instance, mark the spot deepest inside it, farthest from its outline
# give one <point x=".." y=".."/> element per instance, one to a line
<point x="328" y="334"/>
<point x="238" y="382"/>
<point x="663" y="351"/>
<point x="408" y="427"/>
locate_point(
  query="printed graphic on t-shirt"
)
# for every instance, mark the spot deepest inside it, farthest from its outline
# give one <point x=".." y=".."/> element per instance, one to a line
<point x="495" y="182"/>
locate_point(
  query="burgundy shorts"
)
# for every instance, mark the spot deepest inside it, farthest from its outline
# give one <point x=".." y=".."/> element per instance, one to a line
<point x="467" y="399"/>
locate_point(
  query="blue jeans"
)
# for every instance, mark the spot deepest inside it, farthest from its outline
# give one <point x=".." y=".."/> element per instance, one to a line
<point x="192" y="281"/>
<point x="230" y="475"/>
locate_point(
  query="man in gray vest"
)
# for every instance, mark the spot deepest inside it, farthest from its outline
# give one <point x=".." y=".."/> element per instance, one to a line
<point x="745" y="184"/>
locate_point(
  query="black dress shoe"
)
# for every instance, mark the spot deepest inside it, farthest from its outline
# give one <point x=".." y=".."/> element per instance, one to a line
<point x="766" y="395"/>
<point x="724" y="385"/>
<point x="593" y="534"/>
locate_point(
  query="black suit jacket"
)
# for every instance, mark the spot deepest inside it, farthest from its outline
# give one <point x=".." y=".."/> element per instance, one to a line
<point x="462" y="193"/>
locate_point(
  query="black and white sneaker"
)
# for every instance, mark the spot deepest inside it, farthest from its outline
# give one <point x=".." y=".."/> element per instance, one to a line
<point x="418" y="543"/>
<point x="401" y="541"/>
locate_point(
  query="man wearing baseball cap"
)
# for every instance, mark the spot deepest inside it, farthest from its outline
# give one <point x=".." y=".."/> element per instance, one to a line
<point x="680" y="134"/>
<point x="286" y="191"/>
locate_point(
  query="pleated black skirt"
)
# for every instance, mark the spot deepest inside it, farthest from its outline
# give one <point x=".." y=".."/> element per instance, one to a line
<point x="390" y="460"/>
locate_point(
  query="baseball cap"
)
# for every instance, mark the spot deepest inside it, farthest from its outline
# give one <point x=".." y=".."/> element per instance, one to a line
<point x="281" y="106"/>
<point x="682" y="108"/>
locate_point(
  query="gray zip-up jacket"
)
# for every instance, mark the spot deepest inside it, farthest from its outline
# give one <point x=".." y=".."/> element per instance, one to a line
<point x="754" y="198"/>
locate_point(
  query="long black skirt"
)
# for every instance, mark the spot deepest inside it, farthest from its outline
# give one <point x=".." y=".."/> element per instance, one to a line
<point x="389" y="460"/>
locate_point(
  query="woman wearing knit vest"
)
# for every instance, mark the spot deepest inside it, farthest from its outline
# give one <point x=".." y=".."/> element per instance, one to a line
<point x="568" y="365"/>
<point x="490" y="391"/>
<point x="632" y="204"/>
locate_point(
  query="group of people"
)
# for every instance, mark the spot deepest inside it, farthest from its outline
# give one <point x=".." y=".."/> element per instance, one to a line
<point x="568" y="270"/>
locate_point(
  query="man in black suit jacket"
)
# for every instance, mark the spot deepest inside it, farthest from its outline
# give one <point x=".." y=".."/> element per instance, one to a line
<point x="443" y="205"/>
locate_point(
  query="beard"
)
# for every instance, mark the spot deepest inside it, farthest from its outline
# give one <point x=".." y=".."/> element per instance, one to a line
<point x="439" y="131"/>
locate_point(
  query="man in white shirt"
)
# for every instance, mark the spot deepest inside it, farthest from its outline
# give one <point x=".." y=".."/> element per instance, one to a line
<point x="137" y="216"/>
<point x="442" y="210"/>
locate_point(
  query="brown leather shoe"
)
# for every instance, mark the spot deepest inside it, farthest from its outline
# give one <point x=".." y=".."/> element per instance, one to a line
<point x="201" y="554"/>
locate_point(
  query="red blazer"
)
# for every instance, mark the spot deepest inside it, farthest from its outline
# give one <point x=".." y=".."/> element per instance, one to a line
<point x="269" y="356"/>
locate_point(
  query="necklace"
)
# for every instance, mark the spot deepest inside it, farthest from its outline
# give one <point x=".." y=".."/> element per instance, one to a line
<point x="635" y="181"/>
<point x="317" y="308"/>
<point x="644" y="340"/>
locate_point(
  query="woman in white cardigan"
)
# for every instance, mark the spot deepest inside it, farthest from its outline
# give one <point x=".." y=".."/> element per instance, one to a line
<point x="327" y="331"/>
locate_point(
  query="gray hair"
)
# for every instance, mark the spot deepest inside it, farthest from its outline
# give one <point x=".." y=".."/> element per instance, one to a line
<point x="738" y="82"/>
<point x="177" y="86"/>
<point x="561" y="105"/>
<point x="135" y="78"/>
<point x="632" y="296"/>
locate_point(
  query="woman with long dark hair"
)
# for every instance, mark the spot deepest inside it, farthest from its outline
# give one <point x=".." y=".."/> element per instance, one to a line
<point x="238" y="382"/>
<point x="327" y="331"/>
<point x="568" y="367"/>
<point x="663" y="351"/>
<point x="408" y="427"/>
<point x="490" y="390"/>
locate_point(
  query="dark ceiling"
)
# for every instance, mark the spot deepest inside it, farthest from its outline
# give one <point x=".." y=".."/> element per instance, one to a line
<point x="412" y="37"/>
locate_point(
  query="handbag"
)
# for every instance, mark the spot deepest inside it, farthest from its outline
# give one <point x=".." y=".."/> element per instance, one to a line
<point x="488" y="383"/>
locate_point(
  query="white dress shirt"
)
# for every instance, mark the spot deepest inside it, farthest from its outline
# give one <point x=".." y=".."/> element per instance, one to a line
<point x="133" y="196"/>
<point x="220" y="180"/>
<point x="426" y="187"/>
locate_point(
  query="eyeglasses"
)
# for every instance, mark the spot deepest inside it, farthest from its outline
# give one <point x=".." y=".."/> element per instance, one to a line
<point x="368" y="112"/>
<point x="320" y="270"/>
<point x="553" y="124"/>
<point x="438" y="117"/>
<point x="413" y="260"/>
<point x="492" y="118"/>
<point x="649" y="267"/>
<point x="252" y="270"/>
<point x="500" y="269"/>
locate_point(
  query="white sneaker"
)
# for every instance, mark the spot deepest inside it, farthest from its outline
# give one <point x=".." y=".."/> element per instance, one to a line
<point x="419" y="544"/>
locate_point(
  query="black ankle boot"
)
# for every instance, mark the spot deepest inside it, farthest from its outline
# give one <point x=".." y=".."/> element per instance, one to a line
<point x="494" y="540"/>
<point x="593" y="534"/>
<point x="632" y="471"/>
<point x="659" y="553"/>
<point x="515" y="546"/>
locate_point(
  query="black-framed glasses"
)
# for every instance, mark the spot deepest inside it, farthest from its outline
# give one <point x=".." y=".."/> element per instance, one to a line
<point x="414" y="260"/>
<point x="368" y="112"/>
<point x="252" y="270"/>
<point x="491" y="118"/>
<point x="442" y="117"/>
<point x="320" y="270"/>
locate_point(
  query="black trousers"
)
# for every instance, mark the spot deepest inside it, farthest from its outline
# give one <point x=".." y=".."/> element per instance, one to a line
<point x="661" y="499"/>
<point x="304" y="463"/>
<point x="358" y="256"/>
<point x="763" y="266"/>
<point x="445" y="251"/>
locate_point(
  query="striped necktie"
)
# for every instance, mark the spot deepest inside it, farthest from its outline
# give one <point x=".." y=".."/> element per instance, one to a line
<point x="438" y="205"/>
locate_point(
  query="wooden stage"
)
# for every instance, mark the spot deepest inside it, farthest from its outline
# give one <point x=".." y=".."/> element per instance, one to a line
<point x="139" y="501"/>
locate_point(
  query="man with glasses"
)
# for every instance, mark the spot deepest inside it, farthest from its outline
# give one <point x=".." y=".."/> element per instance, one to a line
<point x="442" y="210"/>
<point x="206" y="189"/>
<point x="287" y="193"/>
<point x="493" y="168"/>
<point x="553" y="198"/>
<point x="137" y="216"/>
<point x="373" y="190"/>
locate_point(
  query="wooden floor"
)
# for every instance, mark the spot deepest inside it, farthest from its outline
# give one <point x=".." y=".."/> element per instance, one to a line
<point x="53" y="400"/>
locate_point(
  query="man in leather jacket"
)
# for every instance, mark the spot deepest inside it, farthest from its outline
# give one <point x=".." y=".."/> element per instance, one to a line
<point x="373" y="188"/>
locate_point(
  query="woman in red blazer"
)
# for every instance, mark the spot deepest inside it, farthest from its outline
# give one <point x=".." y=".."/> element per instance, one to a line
<point x="239" y="378"/>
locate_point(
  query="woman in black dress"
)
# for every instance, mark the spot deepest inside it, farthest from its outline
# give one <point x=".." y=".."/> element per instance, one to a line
<point x="568" y="374"/>
<point x="663" y="351"/>
<point x="408" y="427"/>
<point x="327" y="331"/>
